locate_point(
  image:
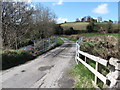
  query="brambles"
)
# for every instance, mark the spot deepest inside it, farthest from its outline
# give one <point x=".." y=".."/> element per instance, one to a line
<point x="102" y="46"/>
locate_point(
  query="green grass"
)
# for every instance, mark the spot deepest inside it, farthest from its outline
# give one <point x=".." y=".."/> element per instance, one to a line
<point x="60" y="41"/>
<point x="83" y="77"/>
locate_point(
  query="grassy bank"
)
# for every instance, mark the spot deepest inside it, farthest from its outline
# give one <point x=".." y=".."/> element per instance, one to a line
<point x="11" y="58"/>
<point x="60" y="42"/>
<point x="82" y="76"/>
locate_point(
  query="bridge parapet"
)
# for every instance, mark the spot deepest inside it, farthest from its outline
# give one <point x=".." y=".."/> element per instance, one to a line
<point x="114" y="74"/>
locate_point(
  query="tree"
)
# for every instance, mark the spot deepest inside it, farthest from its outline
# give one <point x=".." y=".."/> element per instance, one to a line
<point x="111" y="21"/>
<point x="109" y="27"/>
<point x="83" y="19"/>
<point x="58" y="30"/>
<point x="89" y="19"/>
<point x="65" y="21"/>
<point x="16" y="19"/>
<point x="44" y="21"/>
<point x="20" y="21"/>
<point x="77" y="20"/>
<point x="90" y="27"/>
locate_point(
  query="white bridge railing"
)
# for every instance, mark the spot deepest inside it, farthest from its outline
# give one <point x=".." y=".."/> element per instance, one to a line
<point x="112" y="79"/>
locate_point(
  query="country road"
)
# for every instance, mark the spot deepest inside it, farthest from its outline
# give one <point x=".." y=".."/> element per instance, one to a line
<point x="50" y="70"/>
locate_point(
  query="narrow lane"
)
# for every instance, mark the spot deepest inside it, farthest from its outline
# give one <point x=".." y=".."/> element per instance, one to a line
<point x="46" y="71"/>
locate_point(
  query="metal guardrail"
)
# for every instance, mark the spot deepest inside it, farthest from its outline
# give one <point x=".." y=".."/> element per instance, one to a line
<point x="42" y="45"/>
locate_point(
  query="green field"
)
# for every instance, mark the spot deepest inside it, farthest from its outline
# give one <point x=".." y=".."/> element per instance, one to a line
<point x="83" y="25"/>
<point x="105" y="25"/>
<point x="75" y="25"/>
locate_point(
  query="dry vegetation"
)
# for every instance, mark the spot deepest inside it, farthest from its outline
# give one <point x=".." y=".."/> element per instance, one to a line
<point x="104" y="46"/>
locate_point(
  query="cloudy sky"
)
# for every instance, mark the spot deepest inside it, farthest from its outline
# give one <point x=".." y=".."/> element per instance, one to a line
<point x="69" y="11"/>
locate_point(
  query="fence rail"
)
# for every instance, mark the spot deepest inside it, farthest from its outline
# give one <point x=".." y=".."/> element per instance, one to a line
<point x="109" y="80"/>
<point x="42" y="45"/>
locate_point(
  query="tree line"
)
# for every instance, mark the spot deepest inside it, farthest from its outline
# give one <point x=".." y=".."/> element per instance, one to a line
<point x="22" y="21"/>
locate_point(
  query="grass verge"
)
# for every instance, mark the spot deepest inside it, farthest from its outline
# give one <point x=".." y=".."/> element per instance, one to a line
<point x="83" y="77"/>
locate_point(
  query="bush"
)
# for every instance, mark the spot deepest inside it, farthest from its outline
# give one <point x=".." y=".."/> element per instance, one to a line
<point x="70" y="31"/>
<point x="90" y="27"/>
<point x="25" y="43"/>
<point x="109" y="27"/>
<point x="12" y="58"/>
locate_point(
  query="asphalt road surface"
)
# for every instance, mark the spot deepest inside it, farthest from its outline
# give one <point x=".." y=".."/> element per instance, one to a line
<point x="50" y="70"/>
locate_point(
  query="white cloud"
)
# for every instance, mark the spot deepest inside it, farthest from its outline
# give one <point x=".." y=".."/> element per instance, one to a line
<point x="62" y="20"/>
<point x="28" y="1"/>
<point x="60" y="2"/>
<point x="101" y="9"/>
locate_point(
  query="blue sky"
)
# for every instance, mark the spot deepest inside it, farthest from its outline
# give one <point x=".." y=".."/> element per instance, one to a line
<point x="69" y="11"/>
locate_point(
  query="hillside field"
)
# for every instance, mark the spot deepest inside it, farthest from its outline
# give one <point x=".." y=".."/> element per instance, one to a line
<point x="75" y="25"/>
<point x="83" y="25"/>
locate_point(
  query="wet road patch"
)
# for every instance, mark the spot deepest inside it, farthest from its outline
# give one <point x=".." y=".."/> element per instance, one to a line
<point x="23" y="71"/>
<point x="44" y="68"/>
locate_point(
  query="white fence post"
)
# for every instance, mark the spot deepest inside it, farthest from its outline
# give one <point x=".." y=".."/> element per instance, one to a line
<point x="77" y="49"/>
<point x="76" y="54"/>
<point x="96" y="67"/>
